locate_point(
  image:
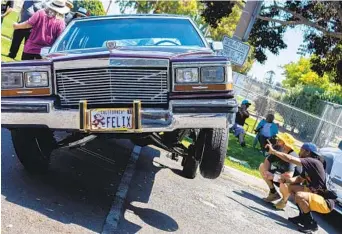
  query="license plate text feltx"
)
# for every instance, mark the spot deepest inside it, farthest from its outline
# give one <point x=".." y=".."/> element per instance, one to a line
<point x="111" y="119"/>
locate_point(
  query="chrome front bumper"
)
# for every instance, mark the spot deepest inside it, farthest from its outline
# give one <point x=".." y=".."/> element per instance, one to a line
<point x="33" y="112"/>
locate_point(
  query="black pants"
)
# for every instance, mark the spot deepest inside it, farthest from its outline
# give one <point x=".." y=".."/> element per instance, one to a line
<point x="18" y="36"/>
<point x="27" y="56"/>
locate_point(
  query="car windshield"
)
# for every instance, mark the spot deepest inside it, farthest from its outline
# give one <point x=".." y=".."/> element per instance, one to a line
<point x="130" y="32"/>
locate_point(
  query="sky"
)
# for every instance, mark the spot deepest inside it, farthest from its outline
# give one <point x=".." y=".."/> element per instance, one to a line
<point x="293" y="38"/>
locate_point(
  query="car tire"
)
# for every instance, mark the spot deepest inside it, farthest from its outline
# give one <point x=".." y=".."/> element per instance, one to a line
<point x="33" y="148"/>
<point x="191" y="162"/>
<point x="214" y="153"/>
<point x="190" y="167"/>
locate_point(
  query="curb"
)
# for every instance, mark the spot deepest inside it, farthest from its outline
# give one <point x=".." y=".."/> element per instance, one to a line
<point x="116" y="210"/>
<point x="245" y="179"/>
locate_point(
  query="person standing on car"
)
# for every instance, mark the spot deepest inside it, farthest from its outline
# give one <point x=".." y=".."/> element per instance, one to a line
<point x="80" y="13"/>
<point x="28" y="9"/>
<point x="240" y="120"/>
<point x="273" y="166"/>
<point x="6" y="8"/>
<point x="46" y="25"/>
<point x="309" y="189"/>
<point x="69" y="16"/>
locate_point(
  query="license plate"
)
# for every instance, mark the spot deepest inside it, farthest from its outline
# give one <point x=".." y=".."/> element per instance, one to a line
<point x="111" y="119"/>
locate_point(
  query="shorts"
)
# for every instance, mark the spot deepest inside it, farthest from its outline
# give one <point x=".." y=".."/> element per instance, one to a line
<point x="274" y="171"/>
<point x="317" y="203"/>
<point x="238" y="129"/>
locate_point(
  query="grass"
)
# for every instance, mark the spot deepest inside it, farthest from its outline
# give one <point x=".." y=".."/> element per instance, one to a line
<point x="7" y="25"/>
<point x="239" y="167"/>
<point x="5" y="45"/>
<point x="252" y="156"/>
<point x="7" y="32"/>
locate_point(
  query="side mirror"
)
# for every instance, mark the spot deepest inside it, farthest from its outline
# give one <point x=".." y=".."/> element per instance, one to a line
<point x="44" y="51"/>
<point x="216" y="45"/>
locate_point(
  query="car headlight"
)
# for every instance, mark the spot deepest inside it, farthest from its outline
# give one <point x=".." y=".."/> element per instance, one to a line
<point x="187" y="75"/>
<point x="11" y="80"/>
<point x="212" y="74"/>
<point x="36" y="79"/>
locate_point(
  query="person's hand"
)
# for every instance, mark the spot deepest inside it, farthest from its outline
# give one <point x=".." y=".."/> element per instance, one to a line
<point x="269" y="147"/>
<point x="268" y="175"/>
<point x="15" y="25"/>
<point x="282" y="179"/>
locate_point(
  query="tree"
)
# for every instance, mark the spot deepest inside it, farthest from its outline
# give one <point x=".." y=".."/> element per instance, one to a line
<point x="321" y="21"/>
<point x="94" y="7"/>
<point x="183" y="7"/>
<point x="226" y="26"/>
<point x="301" y="73"/>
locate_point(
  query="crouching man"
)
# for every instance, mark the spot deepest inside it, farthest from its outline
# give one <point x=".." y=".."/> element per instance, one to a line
<point x="309" y="189"/>
<point x="273" y="167"/>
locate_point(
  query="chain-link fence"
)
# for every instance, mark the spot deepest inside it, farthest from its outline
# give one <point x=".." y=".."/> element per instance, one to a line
<point x="324" y="130"/>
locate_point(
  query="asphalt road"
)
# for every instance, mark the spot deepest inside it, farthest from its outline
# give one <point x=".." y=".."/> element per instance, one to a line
<point x="75" y="197"/>
<point x="159" y="200"/>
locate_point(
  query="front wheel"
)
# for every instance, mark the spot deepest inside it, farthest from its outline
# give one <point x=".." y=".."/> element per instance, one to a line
<point x="192" y="161"/>
<point x="214" y="154"/>
<point x="33" y="148"/>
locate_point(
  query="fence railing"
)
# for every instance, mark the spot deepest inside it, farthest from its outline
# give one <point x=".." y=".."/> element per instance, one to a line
<point x="325" y="130"/>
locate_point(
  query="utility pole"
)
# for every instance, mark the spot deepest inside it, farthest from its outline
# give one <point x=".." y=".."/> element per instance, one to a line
<point x="110" y="3"/>
<point x="247" y="20"/>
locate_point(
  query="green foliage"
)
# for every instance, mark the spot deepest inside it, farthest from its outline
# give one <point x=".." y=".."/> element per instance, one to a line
<point x="7" y="24"/>
<point x="320" y="20"/>
<point x="94" y="7"/>
<point x="252" y="156"/>
<point x="215" y="11"/>
<point x="184" y="7"/>
<point x="307" y="98"/>
<point x="263" y="37"/>
<point x="301" y="73"/>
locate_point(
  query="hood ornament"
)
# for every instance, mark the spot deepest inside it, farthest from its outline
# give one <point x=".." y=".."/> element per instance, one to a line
<point x="111" y="45"/>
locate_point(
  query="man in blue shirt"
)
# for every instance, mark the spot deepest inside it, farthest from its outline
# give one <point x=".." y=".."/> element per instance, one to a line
<point x="266" y="130"/>
<point x="28" y="9"/>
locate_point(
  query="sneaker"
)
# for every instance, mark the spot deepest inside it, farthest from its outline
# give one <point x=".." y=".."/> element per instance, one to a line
<point x="297" y="220"/>
<point x="272" y="197"/>
<point x="280" y="205"/>
<point x="309" y="228"/>
<point x="243" y="144"/>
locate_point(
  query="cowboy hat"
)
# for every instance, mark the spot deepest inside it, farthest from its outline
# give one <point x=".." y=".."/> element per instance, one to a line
<point x="58" y="6"/>
<point x="288" y="139"/>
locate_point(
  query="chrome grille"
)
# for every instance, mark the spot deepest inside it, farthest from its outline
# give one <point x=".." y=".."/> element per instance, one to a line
<point x="112" y="85"/>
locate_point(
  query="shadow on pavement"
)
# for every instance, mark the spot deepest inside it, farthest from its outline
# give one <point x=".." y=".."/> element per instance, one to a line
<point x="329" y="223"/>
<point x="279" y="219"/>
<point x="139" y="195"/>
<point x="74" y="191"/>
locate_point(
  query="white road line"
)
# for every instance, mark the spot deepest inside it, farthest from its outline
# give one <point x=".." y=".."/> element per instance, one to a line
<point x="116" y="210"/>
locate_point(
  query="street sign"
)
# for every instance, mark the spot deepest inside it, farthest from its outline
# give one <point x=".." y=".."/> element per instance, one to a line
<point x="236" y="51"/>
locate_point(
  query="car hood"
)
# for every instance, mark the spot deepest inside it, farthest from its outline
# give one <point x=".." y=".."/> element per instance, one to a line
<point x="173" y="53"/>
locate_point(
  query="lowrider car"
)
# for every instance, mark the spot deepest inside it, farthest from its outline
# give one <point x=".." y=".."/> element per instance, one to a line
<point x="333" y="161"/>
<point x="151" y="78"/>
